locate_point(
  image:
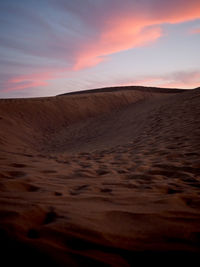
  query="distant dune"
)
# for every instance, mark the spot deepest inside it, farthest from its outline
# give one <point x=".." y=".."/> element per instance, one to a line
<point x="100" y="178"/>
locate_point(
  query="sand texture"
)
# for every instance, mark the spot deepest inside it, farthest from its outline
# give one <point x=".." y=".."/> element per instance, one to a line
<point x="103" y="178"/>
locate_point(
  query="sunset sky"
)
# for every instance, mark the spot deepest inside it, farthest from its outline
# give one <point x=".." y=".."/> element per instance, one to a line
<point x="49" y="47"/>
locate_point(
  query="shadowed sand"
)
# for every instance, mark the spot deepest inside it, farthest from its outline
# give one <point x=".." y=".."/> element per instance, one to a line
<point x="101" y="178"/>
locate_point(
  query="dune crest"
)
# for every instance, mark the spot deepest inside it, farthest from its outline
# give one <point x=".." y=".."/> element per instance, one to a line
<point x="34" y="120"/>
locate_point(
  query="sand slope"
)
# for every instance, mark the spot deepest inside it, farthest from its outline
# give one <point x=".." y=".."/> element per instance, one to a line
<point x="101" y="178"/>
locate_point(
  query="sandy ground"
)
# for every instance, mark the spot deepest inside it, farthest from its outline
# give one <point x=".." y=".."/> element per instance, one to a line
<point x="100" y="179"/>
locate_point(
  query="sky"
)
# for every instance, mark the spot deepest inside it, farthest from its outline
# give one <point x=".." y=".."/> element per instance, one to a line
<point x="50" y="47"/>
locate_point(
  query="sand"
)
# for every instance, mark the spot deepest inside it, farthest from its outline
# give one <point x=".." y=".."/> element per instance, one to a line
<point x="102" y="178"/>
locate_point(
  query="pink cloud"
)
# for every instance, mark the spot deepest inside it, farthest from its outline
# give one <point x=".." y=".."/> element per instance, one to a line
<point x="176" y="11"/>
<point x="172" y="80"/>
<point x="140" y="81"/>
<point x="33" y="80"/>
<point x="129" y="29"/>
<point x="25" y="85"/>
<point x="113" y="40"/>
<point x="195" y="31"/>
<point x="182" y="80"/>
<point x="29" y="81"/>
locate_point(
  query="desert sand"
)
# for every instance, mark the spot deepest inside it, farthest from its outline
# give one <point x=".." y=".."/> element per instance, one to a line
<point x="107" y="177"/>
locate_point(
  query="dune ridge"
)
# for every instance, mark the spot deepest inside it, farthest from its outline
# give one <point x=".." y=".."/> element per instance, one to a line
<point x="102" y="178"/>
<point x="42" y="116"/>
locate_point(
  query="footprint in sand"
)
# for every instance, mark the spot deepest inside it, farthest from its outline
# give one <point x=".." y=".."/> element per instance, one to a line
<point x="18" y="165"/>
<point x="84" y="164"/>
<point x="78" y="189"/>
<point x="172" y="191"/>
<point x="16" y="174"/>
<point x="31" y="188"/>
<point x="102" y="171"/>
<point x="50" y="217"/>
<point x="106" y="190"/>
<point x="193" y="202"/>
<point x="57" y="193"/>
<point x="121" y="171"/>
<point x="28" y="155"/>
<point x="48" y="171"/>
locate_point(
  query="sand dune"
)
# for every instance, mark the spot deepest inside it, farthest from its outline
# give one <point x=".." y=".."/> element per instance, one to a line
<point x="101" y="178"/>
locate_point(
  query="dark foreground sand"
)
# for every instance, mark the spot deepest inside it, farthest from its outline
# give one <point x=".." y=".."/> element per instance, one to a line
<point x="108" y="178"/>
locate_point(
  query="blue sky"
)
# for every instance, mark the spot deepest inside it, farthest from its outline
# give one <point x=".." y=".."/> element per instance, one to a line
<point x="49" y="47"/>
